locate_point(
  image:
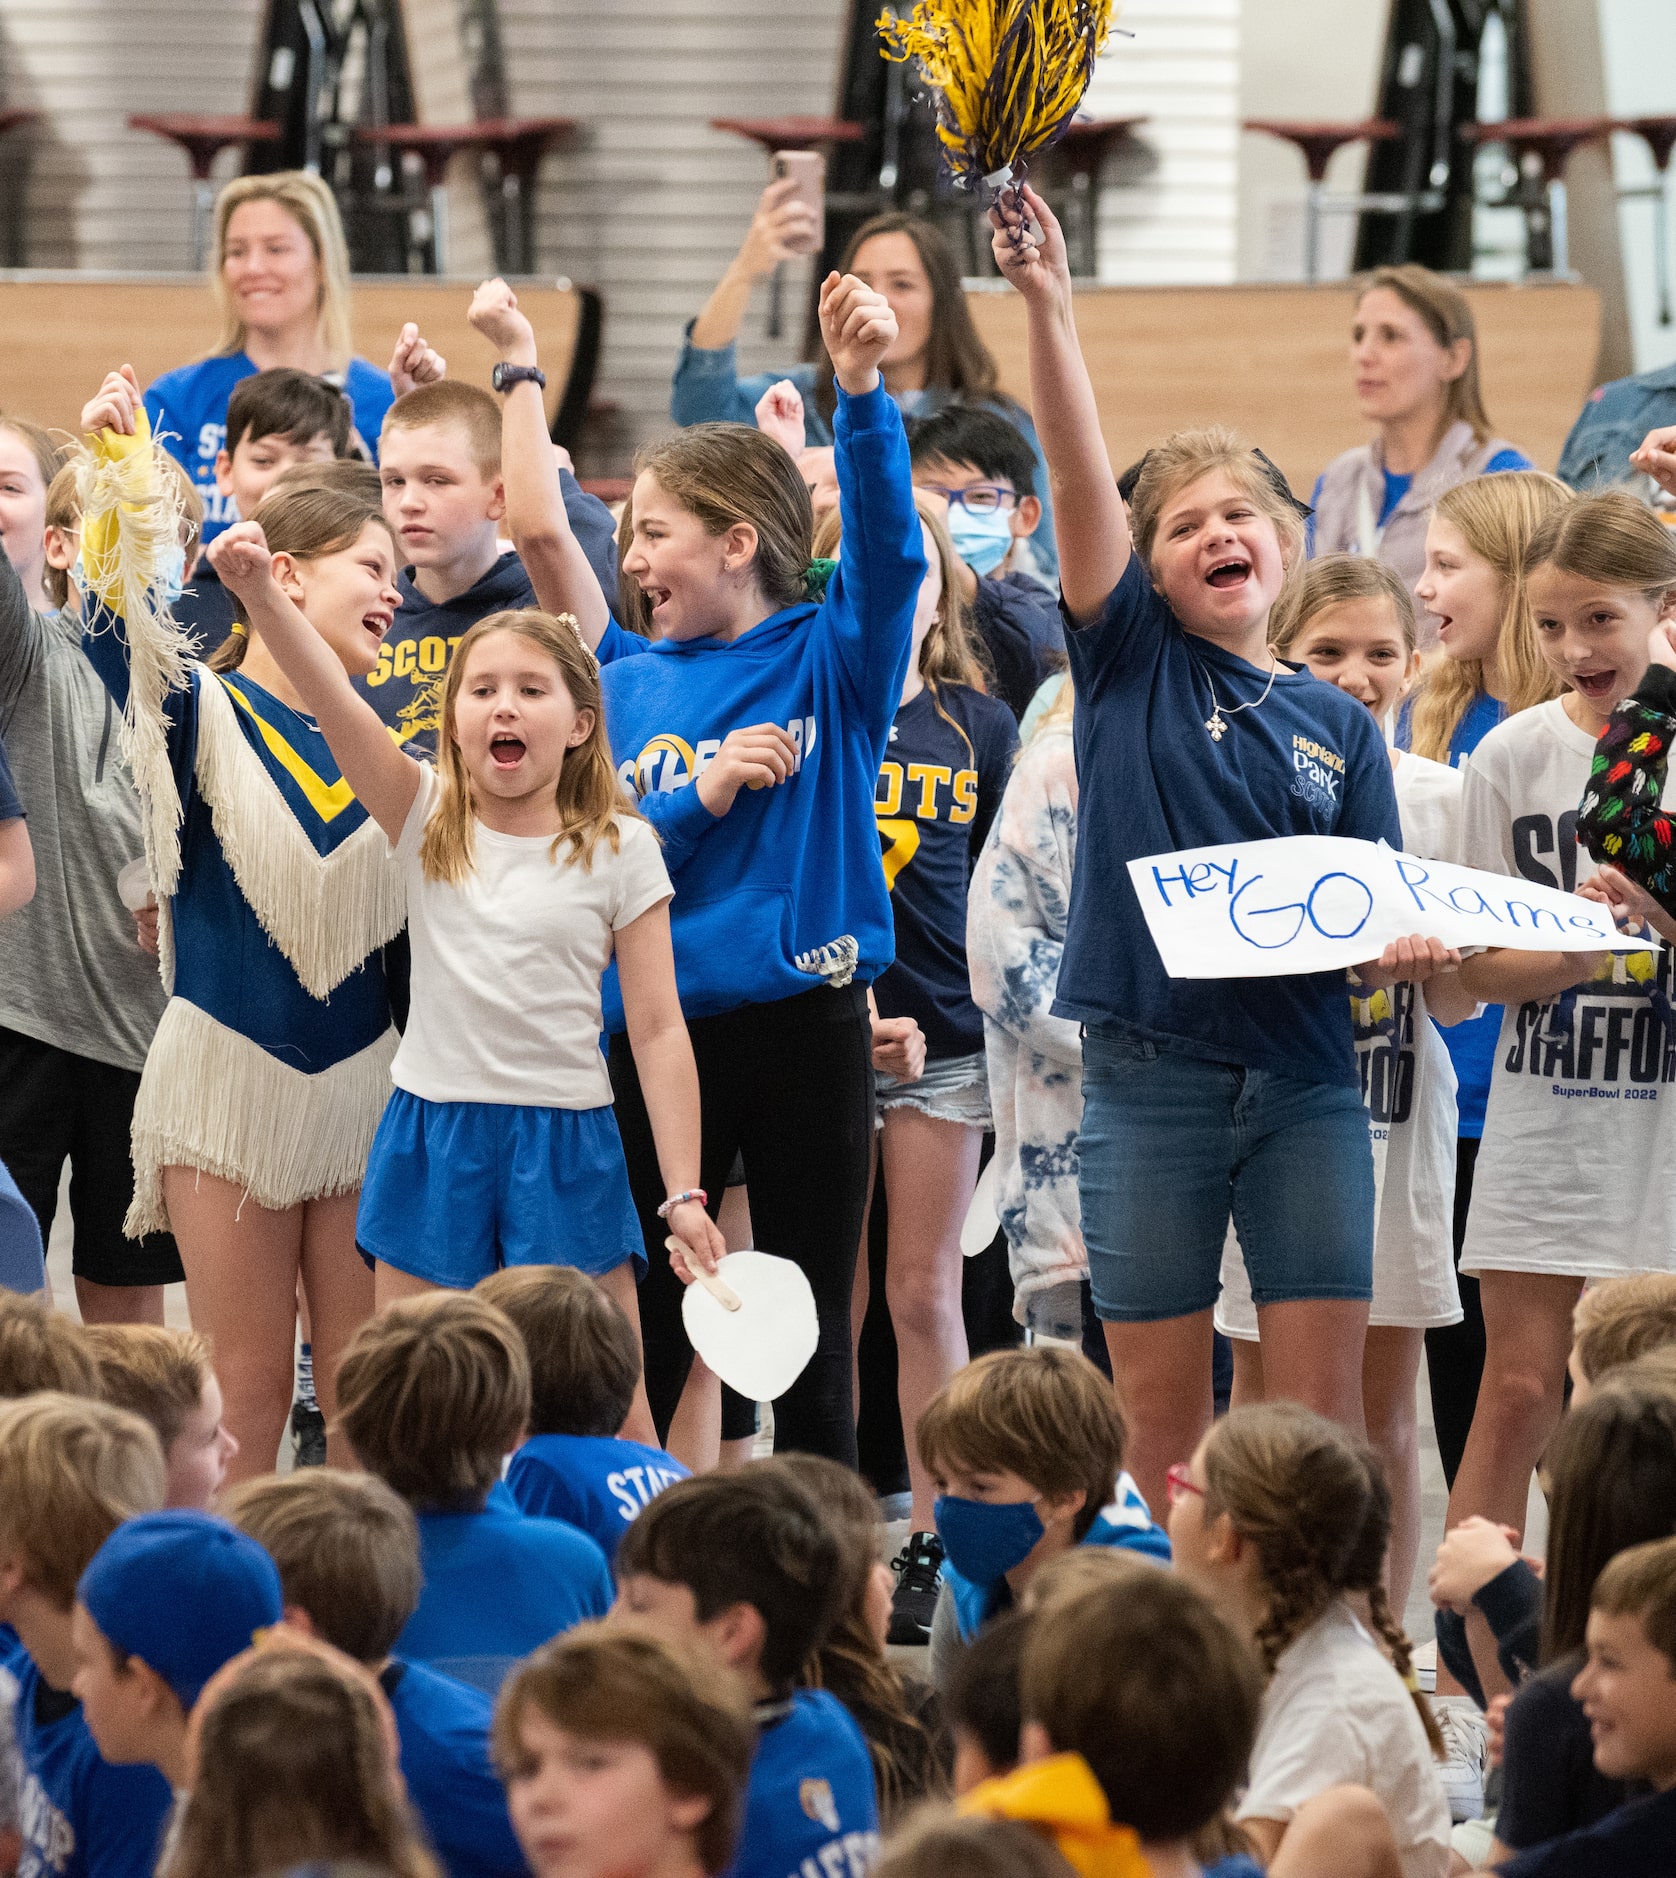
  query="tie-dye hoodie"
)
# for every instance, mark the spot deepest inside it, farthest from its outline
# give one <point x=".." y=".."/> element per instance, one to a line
<point x="1015" y="934"/>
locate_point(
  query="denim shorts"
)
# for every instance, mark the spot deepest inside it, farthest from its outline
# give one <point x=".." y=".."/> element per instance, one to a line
<point x="953" y="1089"/>
<point x="1170" y="1144"/>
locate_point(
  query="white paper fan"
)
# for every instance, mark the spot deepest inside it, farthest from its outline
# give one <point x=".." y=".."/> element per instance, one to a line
<point x="762" y="1345"/>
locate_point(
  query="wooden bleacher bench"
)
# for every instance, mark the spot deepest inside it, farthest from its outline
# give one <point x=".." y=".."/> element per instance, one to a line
<point x="60" y="333"/>
<point x="1272" y="361"/>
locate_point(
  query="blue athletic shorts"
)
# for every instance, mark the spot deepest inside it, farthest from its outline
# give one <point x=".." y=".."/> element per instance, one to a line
<point x="456" y="1190"/>
<point x="1171" y="1145"/>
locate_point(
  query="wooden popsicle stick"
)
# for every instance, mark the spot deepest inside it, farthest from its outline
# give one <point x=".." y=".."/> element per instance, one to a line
<point x="724" y="1294"/>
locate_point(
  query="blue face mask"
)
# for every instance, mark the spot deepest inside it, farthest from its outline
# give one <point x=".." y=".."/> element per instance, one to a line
<point x="983" y="1542"/>
<point x="981" y="541"/>
<point x="171" y="573"/>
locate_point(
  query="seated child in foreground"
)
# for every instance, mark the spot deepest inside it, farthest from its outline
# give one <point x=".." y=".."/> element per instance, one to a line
<point x="744" y="1565"/>
<point x="293" y="1769"/>
<point x="623" y="1754"/>
<point x="584" y="1366"/>
<point x="41" y="1348"/>
<point x="70" y="1472"/>
<point x="169" y="1598"/>
<point x="1628" y="1691"/>
<point x="1026" y="1449"/>
<point x="165" y="1376"/>
<point x="433" y="1395"/>
<point x="347" y="1549"/>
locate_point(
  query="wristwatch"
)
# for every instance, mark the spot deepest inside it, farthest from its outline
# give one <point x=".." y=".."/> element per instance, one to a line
<point x="505" y="376"/>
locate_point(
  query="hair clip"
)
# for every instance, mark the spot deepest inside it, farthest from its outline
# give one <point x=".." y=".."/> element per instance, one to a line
<point x="1128" y="482"/>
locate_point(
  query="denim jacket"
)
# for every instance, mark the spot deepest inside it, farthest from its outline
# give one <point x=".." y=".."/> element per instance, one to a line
<point x="1613" y="422"/>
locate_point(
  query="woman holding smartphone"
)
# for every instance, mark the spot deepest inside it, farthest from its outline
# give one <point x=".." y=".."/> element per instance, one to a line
<point x="938" y="358"/>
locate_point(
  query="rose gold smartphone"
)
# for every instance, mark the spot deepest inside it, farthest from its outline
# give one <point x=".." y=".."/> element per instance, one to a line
<point x="808" y="169"/>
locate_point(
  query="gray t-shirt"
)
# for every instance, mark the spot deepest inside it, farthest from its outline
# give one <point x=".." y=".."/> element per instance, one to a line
<point x="71" y="970"/>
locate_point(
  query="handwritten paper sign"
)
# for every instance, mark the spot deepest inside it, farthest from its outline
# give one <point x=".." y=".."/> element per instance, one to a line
<point x="1316" y="903"/>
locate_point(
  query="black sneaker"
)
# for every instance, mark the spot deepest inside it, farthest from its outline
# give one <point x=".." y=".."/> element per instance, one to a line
<point x="919" y="1570"/>
<point x="308" y="1435"/>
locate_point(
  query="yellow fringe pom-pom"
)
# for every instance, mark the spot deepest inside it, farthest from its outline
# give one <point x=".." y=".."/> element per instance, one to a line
<point x="1008" y="74"/>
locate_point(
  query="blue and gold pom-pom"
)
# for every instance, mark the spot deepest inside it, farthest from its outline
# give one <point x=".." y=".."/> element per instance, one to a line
<point x="1008" y="76"/>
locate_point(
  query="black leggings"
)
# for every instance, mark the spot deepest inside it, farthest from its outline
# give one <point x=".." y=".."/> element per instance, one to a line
<point x="788" y="1086"/>
<point x="1455" y="1353"/>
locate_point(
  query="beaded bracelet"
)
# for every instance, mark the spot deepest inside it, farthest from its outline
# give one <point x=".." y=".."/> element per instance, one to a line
<point x="681" y="1199"/>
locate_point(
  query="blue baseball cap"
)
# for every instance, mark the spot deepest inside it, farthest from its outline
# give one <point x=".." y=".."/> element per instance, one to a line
<point x="184" y="1592"/>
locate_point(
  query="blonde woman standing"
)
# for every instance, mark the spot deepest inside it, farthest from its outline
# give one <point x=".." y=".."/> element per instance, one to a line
<point x="280" y="275"/>
<point x="1414" y="353"/>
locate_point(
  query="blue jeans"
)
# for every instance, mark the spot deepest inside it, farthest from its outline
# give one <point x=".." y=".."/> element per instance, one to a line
<point x="1171" y="1145"/>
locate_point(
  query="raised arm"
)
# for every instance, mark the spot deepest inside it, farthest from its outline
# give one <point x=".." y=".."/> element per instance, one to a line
<point x="559" y="570"/>
<point x="415" y="362"/>
<point x="870" y="599"/>
<point x="1088" y="516"/>
<point x="118" y="553"/>
<point x="384" y="778"/>
<point x="781" y="229"/>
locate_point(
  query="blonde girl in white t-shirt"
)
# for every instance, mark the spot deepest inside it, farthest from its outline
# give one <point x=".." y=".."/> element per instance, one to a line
<point x="1350" y="621"/>
<point x="1280" y="1518"/>
<point x="527" y="871"/>
<point x="1576" y="1178"/>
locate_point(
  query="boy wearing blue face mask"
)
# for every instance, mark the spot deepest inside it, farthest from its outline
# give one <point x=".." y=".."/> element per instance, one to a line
<point x="985" y="470"/>
<point x="1026" y="1450"/>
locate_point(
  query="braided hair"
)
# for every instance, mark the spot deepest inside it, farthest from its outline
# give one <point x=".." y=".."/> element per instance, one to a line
<point x="1313" y="1502"/>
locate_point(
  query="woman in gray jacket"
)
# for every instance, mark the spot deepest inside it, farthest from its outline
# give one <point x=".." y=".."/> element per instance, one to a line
<point x="1414" y="352"/>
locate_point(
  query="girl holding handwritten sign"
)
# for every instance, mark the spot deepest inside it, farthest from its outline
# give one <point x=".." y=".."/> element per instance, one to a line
<point x="1201" y="1097"/>
<point x="1350" y="621"/>
<point x="1576" y="1178"/>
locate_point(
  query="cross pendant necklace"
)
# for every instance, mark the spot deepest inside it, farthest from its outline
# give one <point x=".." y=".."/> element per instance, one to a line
<point x="1216" y="723"/>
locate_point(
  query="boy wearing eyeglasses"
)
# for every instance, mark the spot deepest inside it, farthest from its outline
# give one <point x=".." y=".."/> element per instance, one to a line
<point x="985" y="470"/>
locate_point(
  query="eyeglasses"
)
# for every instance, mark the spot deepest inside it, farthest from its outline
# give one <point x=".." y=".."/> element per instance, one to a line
<point x="1179" y="1483"/>
<point x="980" y="499"/>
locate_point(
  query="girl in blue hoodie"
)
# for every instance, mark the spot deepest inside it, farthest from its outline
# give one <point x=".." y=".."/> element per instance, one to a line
<point x="751" y="733"/>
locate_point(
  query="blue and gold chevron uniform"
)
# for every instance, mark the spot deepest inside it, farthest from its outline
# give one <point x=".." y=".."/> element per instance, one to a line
<point x="225" y="964"/>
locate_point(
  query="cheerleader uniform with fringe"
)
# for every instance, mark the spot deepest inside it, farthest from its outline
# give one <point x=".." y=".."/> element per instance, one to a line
<point x="271" y="1064"/>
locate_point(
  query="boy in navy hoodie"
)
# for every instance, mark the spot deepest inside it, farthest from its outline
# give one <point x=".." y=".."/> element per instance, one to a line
<point x="744" y="1565"/>
<point x="433" y="1394"/>
<point x="584" y="1364"/>
<point x="347" y="1549"/>
<point x="275" y="420"/>
<point x="985" y="470"/>
<point x="439" y="458"/>
<point x="70" y="1472"/>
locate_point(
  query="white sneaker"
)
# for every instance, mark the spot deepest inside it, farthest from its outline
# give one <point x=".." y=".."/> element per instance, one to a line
<point x="1466" y="1744"/>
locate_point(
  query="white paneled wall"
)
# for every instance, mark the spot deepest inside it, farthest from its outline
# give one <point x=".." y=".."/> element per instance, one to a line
<point x="99" y="194"/>
<point x="1169" y="210"/>
<point x="650" y="203"/>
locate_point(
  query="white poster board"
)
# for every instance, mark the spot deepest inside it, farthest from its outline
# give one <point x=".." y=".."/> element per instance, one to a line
<point x="1316" y="903"/>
